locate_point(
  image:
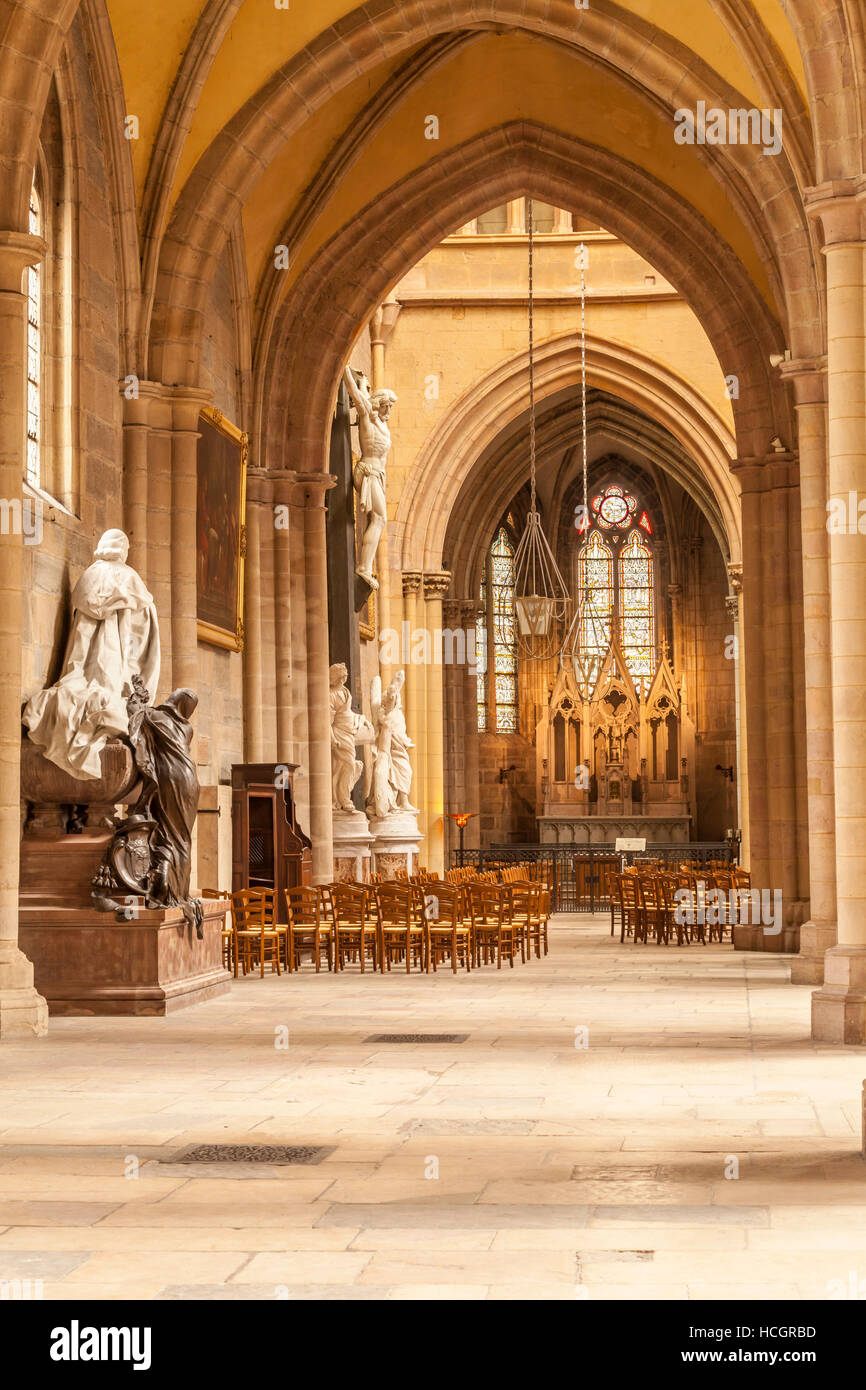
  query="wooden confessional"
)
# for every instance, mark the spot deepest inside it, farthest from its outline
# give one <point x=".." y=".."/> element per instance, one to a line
<point x="269" y="850"/>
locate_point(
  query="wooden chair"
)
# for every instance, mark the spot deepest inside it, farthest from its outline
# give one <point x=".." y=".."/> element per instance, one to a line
<point x="310" y="927"/>
<point x="493" y="933"/>
<point x="401" y="927"/>
<point x="530" y="907"/>
<point x="447" y="929"/>
<point x="653" y="916"/>
<point x="357" y="925"/>
<point x="257" y="937"/>
<point x="629" y="907"/>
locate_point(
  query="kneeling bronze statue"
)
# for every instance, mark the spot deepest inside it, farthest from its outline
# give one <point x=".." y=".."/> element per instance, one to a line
<point x="150" y="852"/>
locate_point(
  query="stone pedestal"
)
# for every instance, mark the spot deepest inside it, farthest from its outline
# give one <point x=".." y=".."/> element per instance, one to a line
<point x="749" y="936"/>
<point x="816" y="938"/>
<point x="352" y="847"/>
<point x="396" y="843"/>
<point x="839" y="1007"/>
<point x="87" y="962"/>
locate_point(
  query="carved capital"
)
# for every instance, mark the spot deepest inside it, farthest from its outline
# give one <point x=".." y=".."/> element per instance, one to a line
<point x="735" y="576"/>
<point x="411" y="582"/>
<point x="732" y="604"/>
<point x="437" y="585"/>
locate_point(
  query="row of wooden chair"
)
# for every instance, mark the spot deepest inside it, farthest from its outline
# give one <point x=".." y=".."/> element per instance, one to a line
<point x="663" y="904"/>
<point x="379" y="925"/>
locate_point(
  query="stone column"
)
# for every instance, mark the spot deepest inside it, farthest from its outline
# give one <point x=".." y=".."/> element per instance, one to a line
<point x="187" y="404"/>
<point x="22" y="1010"/>
<point x="770" y="510"/>
<point x="312" y="488"/>
<point x="435" y="588"/>
<point x="414" y="700"/>
<point x="136" y="430"/>
<point x="818" y="934"/>
<point x="735" y="601"/>
<point x="259" y="515"/>
<point x="562" y="220"/>
<point x="283" y="557"/>
<point x="839" y="1007"/>
<point x="516" y="217"/>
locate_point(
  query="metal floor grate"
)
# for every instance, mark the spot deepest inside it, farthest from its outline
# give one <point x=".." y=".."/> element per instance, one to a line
<point x="417" y="1038"/>
<point x="252" y="1153"/>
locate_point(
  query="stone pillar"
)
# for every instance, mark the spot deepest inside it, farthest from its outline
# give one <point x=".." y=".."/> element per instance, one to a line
<point x="312" y="488"/>
<point x="22" y="1010"/>
<point x="562" y="220"/>
<point x="136" y="429"/>
<point x="435" y="588"/>
<point x="187" y="404"/>
<point x="839" y="1007"/>
<point x="515" y="222"/>
<point x="259" y="515"/>
<point x="414" y="693"/>
<point x="675" y="594"/>
<point x="735" y="600"/>
<point x="283" y="613"/>
<point x="771" y="525"/>
<point x="818" y="934"/>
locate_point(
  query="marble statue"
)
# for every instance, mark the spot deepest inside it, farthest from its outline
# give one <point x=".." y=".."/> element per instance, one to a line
<point x="392" y="771"/>
<point x="114" y="636"/>
<point x="151" y="851"/>
<point x="374" y="411"/>
<point x="347" y="730"/>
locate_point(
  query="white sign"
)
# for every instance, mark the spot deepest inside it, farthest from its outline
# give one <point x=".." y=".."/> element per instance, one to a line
<point x="622" y="844"/>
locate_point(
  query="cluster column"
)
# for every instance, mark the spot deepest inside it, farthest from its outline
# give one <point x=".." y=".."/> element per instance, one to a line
<point x="312" y="488"/>
<point x="839" y="1007"/>
<point x="22" y="1010"/>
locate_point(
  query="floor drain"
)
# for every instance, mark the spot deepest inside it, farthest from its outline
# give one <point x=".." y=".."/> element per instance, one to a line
<point x="417" y="1038"/>
<point x="252" y="1153"/>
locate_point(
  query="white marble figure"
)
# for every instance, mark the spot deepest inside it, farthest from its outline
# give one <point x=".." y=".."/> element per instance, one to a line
<point x="369" y="476"/>
<point x="347" y="730"/>
<point x="392" y="770"/>
<point x="114" y="636"/>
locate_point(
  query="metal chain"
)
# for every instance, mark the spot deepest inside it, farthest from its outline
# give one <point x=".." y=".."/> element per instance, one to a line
<point x="531" y="354"/>
<point x="583" y="381"/>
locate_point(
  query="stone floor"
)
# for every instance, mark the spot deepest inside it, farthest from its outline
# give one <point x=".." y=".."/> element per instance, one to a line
<point x="583" y="1142"/>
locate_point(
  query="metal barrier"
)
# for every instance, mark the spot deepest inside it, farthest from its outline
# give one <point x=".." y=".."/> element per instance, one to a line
<point x="580" y="878"/>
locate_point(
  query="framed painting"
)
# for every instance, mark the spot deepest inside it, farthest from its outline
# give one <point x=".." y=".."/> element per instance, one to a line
<point x="221" y="488"/>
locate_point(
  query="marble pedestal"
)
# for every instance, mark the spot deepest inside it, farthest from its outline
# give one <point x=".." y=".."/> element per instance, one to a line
<point x="396" y="843"/>
<point x="352" y="847"/>
<point x="90" y="962"/>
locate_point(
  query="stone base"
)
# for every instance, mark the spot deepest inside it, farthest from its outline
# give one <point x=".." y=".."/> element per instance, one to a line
<point x="23" y="1012"/>
<point x="352" y="847"/>
<point x="568" y="828"/>
<point x="839" y="1007"/>
<point x="396" y="843"/>
<point x="816" y="938"/>
<point x="757" y="938"/>
<point x="89" y="963"/>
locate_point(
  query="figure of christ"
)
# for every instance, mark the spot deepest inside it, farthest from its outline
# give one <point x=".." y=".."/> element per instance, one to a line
<point x="374" y="411"/>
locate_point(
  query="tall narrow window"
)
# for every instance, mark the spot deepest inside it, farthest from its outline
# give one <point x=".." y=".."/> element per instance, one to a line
<point x="497" y="640"/>
<point x="34" y="354"/>
<point x="481" y="653"/>
<point x="615" y="581"/>
<point x="637" y="638"/>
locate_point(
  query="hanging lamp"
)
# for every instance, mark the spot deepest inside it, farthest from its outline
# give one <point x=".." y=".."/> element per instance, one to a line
<point x="541" y="598"/>
<point x="587" y="641"/>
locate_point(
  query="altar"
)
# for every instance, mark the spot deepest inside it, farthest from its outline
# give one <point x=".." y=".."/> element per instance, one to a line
<point x="613" y="761"/>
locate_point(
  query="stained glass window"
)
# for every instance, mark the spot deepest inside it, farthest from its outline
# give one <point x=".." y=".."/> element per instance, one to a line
<point x="595" y="581"/>
<point x="636" y="634"/>
<point x="34" y="353"/>
<point x="617" y="597"/>
<point x="497" y="640"/>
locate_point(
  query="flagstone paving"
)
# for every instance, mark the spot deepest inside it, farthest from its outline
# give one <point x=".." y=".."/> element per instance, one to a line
<point x="622" y="1122"/>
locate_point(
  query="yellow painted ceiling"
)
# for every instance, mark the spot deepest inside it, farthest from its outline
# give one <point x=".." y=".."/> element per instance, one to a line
<point x="501" y="78"/>
<point x="151" y="38"/>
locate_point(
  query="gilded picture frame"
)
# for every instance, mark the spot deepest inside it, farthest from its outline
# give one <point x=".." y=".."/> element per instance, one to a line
<point x="222" y="458"/>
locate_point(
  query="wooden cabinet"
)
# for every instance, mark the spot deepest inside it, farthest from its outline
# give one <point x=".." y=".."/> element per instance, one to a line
<point x="269" y="850"/>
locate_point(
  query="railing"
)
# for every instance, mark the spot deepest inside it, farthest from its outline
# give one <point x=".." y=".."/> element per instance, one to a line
<point x="580" y="879"/>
